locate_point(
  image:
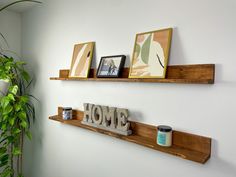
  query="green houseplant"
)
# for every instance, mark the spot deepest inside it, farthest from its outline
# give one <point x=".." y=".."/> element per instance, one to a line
<point x="16" y="110"/>
<point x="16" y="113"/>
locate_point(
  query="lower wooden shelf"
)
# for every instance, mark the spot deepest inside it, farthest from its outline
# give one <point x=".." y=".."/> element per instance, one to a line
<point x="187" y="146"/>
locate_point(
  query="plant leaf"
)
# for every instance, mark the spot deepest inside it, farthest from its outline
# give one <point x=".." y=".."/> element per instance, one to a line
<point x="11" y="97"/>
<point x="3" y="150"/>
<point x="16" y="151"/>
<point x="17" y="107"/>
<point x="16" y="131"/>
<point x="12" y="121"/>
<point x="13" y="89"/>
<point x="7" y="172"/>
<point x="7" y="110"/>
<point x="29" y="135"/>
<point x="16" y="2"/>
<point x="23" y="124"/>
<point x="4" y="102"/>
<point x="26" y="76"/>
<point x="24" y="99"/>
<point x="20" y="63"/>
<point x="22" y="115"/>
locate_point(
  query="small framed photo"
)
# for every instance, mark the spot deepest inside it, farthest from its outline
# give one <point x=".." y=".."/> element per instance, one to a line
<point x="111" y="66"/>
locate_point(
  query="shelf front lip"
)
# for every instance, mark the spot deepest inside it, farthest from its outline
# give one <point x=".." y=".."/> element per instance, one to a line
<point x="183" y="74"/>
<point x="173" y="150"/>
<point x="183" y="81"/>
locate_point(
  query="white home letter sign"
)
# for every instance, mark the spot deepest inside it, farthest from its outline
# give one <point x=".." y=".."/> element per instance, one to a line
<point x="107" y="118"/>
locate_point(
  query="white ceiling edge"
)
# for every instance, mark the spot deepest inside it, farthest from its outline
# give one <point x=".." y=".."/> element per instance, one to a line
<point x="20" y="7"/>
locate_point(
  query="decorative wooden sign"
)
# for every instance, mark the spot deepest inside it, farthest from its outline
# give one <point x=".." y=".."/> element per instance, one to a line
<point x="107" y="118"/>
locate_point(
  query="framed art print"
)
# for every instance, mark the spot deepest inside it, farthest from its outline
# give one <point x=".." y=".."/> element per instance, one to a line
<point x="111" y="66"/>
<point x="150" y="54"/>
<point x="81" y="60"/>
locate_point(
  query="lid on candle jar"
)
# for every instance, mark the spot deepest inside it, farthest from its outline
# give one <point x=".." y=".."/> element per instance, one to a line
<point x="164" y="128"/>
<point x="67" y="108"/>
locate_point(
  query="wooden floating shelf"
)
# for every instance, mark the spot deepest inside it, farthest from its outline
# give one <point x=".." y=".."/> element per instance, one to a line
<point x="192" y="74"/>
<point x="187" y="146"/>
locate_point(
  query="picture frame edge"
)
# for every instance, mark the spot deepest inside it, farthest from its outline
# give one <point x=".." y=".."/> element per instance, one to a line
<point x="91" y="58"/>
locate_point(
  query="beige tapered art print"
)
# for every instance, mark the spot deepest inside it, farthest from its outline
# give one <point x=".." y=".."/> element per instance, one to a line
<point x="81" y="60"/>
<point x="150" y="55"/>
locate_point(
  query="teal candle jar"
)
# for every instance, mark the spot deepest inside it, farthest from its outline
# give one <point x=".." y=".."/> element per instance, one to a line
<point x="164" y="135"/>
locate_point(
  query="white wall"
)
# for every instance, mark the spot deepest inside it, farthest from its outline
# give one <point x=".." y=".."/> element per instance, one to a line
<point x="204" y="32"/>
<point x="10" y="27"/>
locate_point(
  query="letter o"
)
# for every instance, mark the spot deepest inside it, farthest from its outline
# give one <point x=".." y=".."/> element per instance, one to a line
<point x="97" y="114"/>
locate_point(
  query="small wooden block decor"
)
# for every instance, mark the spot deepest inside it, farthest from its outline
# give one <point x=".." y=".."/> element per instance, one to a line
<point x="111" y="66"/>
<point x="107" y="118"/>
<point x="151" y="53"/>
<point x="81" y="60"/>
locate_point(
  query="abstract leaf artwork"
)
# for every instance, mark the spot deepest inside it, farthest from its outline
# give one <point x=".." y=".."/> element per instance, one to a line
<point x="150" y="55"/>
<point x="81" y="60"/>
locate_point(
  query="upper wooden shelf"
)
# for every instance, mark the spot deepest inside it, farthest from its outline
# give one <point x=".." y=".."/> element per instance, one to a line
<point x="187" y="146"/>
<point x="192" y="74"/>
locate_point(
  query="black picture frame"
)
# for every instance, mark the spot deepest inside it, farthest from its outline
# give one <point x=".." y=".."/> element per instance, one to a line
<point x="111" y="66"/>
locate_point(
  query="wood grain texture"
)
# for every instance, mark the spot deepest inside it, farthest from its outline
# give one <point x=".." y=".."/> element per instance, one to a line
<point x="191" y="74"/>
<point x="187" y="146"/>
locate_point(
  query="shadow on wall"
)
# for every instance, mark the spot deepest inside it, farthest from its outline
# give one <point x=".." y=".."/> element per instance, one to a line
<point x="128" y="61"/>
<point x="219" y="165"/>
<point x="220" y="78"/>
<point x="177" y="55"/>
<point x="34" y="147"/>
<point x="136" y="116"/>
<point x="94" y="61"/>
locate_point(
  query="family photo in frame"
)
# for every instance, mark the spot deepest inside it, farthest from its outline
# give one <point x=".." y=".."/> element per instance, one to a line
<point x="111" y="66"/>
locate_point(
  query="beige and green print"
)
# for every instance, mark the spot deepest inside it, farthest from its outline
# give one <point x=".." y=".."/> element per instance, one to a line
<point x="150" y="56"/>
<point x="81" y="60"/>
